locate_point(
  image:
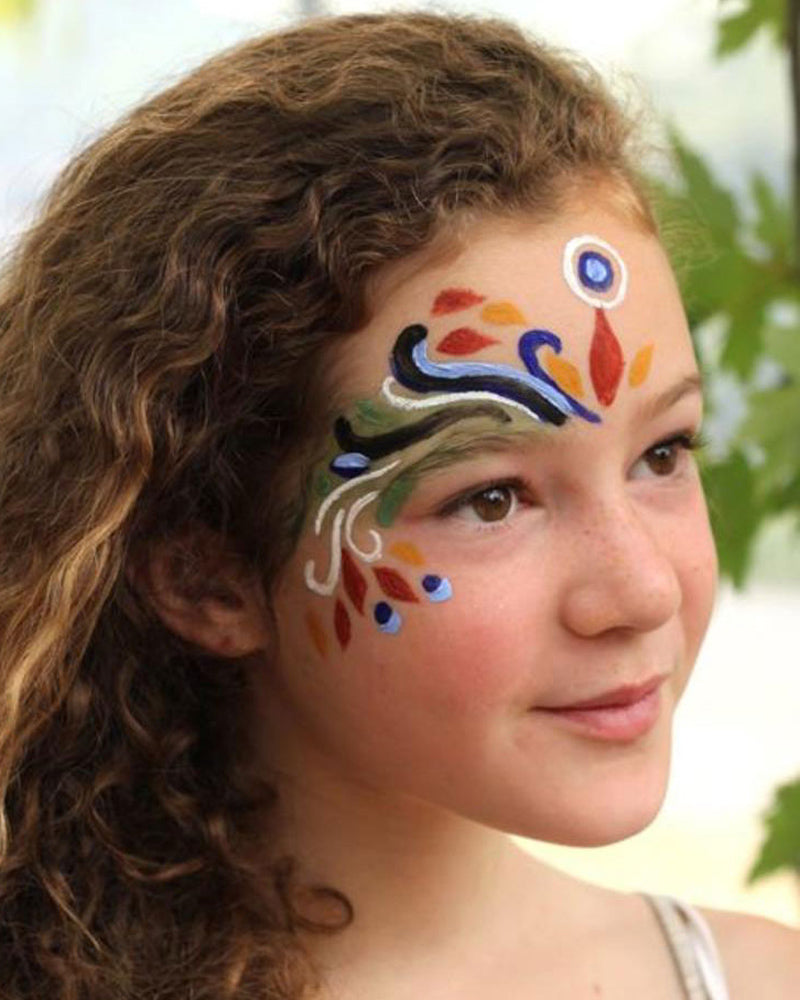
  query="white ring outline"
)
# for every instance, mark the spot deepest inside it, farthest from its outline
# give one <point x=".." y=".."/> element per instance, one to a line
<point x="574" y="284"/>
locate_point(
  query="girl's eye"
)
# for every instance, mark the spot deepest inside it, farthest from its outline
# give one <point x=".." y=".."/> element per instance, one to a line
<point x="494" y="503"/>
<point x="663" y="459"/>
<point x="491" y="504"/>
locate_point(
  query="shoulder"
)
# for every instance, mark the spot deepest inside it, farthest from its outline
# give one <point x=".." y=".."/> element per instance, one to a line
<point x="761" y="957"/>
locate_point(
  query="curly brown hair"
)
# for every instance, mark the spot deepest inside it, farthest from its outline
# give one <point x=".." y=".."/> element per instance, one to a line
<point x="163" y="330"/>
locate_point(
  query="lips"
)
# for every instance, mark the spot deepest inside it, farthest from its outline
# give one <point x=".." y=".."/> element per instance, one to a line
<point x="621" y="715"/>
<point x="628" y="694"/>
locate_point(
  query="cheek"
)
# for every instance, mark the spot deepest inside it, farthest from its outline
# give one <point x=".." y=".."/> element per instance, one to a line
<point x="698" y="571"/>
<point x="449" y="658"/>
<point x="469" y="654"/>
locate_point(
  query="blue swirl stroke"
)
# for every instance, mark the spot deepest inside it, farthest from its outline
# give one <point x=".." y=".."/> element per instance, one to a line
<point x="536" y="377"/>
<point x="529" y="343"/>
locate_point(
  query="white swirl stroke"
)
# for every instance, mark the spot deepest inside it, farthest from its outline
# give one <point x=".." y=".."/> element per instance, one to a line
<point x="331" y="499"/>
<point x="326" y="587"/>
<point x="407" y="403"/>
<point x="352" y="514"/>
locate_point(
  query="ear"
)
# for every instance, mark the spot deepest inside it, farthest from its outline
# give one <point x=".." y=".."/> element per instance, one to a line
<point x="203" y="595"/>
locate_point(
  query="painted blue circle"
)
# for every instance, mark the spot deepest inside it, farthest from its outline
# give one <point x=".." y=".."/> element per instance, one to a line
<point x="438" y="588"/>
<point x="595" y="271"/>
<point x="383" y="612"/>
<point x="388" y="619"/>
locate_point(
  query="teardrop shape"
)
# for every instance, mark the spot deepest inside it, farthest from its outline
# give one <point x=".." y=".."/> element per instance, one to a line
<point x="502" y="314"/>
<point x="451" y="300"/>
<point x="317" y="633"/>
<point x="640" y="366"/>
<point x="464" y="340"/>
<point x="354" y="582"/>
<point x="565" y="375"/>
<point x="605" y="360"/>
<point x="341" y="623"/>
<point x="407" y="552"/>
<point x="393" y="585"/>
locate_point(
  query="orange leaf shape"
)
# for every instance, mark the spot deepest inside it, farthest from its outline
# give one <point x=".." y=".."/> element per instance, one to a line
<point x="640" y="366"/>
<point x="565" y="374"/>
<point x="393" y="585"/>
<point x="317" y="633"/>
<point x="407" y="552"/>
<point x="502" y="314"/>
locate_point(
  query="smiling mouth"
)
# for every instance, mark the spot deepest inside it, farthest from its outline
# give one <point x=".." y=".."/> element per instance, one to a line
<point x="621" y="715"/>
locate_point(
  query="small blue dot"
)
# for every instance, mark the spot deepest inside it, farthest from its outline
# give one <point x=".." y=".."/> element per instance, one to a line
<point x="387" y="618"/>
<point x="437" y="588"/>
<point x="595" y="271"/>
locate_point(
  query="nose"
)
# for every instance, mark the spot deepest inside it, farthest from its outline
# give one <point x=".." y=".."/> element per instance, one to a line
<point x="622" y="576"/>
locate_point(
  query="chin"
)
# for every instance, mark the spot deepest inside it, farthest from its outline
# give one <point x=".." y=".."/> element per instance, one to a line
<point x="605" y="804"/>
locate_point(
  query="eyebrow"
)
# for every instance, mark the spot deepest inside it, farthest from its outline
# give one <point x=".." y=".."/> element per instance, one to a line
<point x="460" y="445"/>
<point x="654" y="406"/>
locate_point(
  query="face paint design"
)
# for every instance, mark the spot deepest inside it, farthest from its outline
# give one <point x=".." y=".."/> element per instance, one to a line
<point x="596" y="273"/>
<point x="423" y="397"/>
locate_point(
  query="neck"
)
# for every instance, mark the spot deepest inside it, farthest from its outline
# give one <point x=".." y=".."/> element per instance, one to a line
<point x="406" y="867"/>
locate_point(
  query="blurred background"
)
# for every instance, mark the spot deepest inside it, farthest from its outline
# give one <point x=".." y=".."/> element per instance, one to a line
<point x="718" y="84"/>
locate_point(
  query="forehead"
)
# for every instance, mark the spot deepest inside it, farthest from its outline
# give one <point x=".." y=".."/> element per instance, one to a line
<point x="515" y="275"/>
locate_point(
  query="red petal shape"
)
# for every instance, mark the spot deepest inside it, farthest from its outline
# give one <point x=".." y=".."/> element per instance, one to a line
<point x="354" y="582"/>
<point x="393" y="585"/>
<point x="464" y="340"/>
<point x="605" y="359"/>
<point x="451" y="300"/>
<point x="341" y="622"/>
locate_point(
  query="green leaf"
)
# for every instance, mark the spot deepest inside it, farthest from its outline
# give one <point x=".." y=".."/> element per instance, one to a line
<point x="774" y="417"/>
<point x="374" y="417"/>
<point x="734" y="32"/>
<point x="323" y="484"/>
<point x="393" y="498"/>
<point x="714" y="204"/>
<point x="735" y="513"/>
<point x="781" y="847"/>
<point x="773" y="226"/>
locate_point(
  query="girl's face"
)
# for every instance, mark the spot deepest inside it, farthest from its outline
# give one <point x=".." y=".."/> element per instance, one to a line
<point x="506" y="523"/>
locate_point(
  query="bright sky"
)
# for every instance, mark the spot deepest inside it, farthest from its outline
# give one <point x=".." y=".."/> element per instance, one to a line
<point x="81" y="62"/>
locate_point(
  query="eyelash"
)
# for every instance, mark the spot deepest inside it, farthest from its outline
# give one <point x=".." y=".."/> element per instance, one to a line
<point x="687" y="441"/>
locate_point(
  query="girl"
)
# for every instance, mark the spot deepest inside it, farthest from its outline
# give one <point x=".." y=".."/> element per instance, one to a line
<point x="348" y="523"/>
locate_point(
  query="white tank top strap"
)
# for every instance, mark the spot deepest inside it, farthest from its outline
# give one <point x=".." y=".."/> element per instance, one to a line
<point x="693" y="949"/>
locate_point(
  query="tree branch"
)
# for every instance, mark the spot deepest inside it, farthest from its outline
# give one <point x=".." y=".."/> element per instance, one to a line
<point x="793" y="38"/>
